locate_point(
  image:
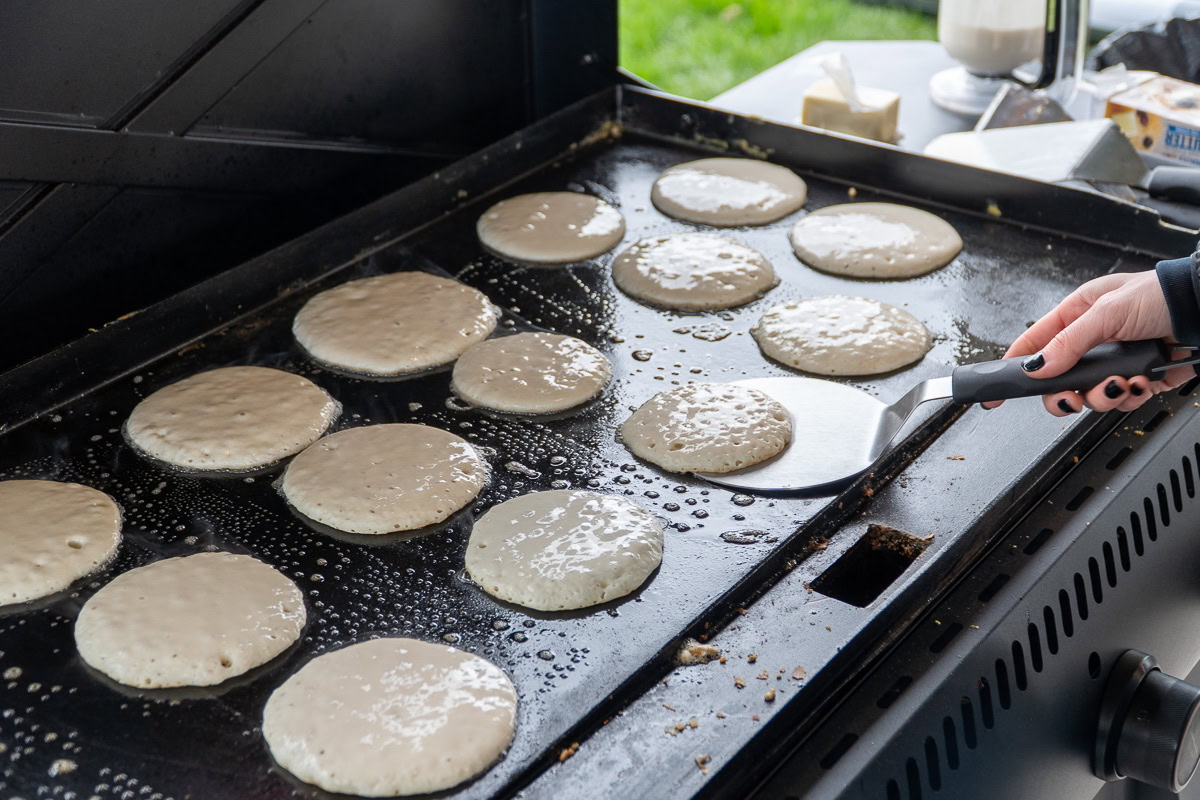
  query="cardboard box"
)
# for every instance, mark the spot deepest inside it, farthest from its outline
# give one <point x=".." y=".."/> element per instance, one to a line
<point x="1160" y="116"/>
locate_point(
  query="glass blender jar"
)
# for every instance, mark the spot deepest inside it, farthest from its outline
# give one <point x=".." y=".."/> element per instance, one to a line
<point x="992" y="38"/>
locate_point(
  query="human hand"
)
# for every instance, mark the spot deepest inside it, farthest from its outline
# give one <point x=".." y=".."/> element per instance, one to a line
<point x="1119" y="307"/>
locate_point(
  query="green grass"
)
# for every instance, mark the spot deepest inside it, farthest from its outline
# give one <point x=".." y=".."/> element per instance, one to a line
<point x="700" y="48"/>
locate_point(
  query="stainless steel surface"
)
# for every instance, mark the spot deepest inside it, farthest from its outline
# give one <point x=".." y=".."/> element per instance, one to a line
<point x="838" y="433"/>
<point x="1090" y="150"/>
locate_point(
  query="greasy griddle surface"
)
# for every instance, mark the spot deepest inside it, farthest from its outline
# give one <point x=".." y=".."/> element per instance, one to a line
<point x="206" y="743"/>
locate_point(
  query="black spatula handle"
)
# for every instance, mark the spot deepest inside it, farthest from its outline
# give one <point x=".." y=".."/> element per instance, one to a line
<point x="1181" y="184"/>
<point x="1004" y="379"/>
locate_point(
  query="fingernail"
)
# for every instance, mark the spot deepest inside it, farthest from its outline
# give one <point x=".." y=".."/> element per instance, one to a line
<point x="1137" y="390"/>
<point x="1033" y="363"/>
<point x="1066" y="407"/>
<point x="1113" y="390"/>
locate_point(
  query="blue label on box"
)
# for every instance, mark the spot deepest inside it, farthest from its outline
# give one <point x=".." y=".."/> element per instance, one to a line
<point x="1181" y="138"/>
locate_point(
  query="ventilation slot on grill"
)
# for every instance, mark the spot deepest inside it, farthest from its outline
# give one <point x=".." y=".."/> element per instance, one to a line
<point x="1123" y="548"/>
<point x="1094" y="574"/>
<point x="893" y="790"/>
<point x="1189" y="387"/>
<point x="1035" y="648"/>
<point x="996" y="584"/>
<point x="939" y="644"/>
<point x="1119" y="457"/>
<point x="1036" y="542"/>
<point x="968" y="718"/>
<point x="1080" y="496"/>
<point x="1051" y="630"/>
<point x="838" y="750"/>
<point x="985" y="695"/>
<point x="1163" y="510"/>
<point x="1019" y="677"/>
<point x="1151" y="525"/>
<point x="1189" y="480"/>
<point x="1176" y="492"/>
<point x="1110" y="566"/>
<point x="950" y="740"/>
<point x="1064" y="608"/>
<point x="1155" y="421"/>
<point x="1135" y="524"/>
<point x="932" y="765"/>
<point x="913" y="773"/>
<point x="1081" y="597"/>
<point x="894" y="691"/>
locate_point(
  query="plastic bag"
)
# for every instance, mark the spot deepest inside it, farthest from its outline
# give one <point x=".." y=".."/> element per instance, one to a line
<point x="1169" y="48"/>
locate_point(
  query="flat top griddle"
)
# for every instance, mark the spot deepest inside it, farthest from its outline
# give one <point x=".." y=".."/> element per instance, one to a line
<point x="575" y="670"/>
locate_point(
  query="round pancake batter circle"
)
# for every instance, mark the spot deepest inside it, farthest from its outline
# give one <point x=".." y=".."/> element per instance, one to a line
<point x="394" y="324"/>
<point x="196" y="620"/>
<point x="391" y="717"/>
<point x="384" y="478"/>
<point x="233" y="418"/>
<point x="551" y="227"/>
<point x="728" y="192"/>
<point x="884" y="241"/>
<point x="564" y="549"/>
<point x="707" y="427"/>
<point x="51" y="535"/>
<point x="530" y="373"/>
<point x="694" y="271"/>
<point x="841" y="336"/>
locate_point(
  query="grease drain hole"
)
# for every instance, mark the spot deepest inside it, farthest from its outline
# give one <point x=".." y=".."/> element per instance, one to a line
<point x="874" y="562"/>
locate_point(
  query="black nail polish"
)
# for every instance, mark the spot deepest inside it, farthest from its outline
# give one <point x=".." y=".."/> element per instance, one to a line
<point x="1113" y="390"/>
<point x="1066" y="408"/>
<point x="1137" y="390"/>
<point x="1033" y="363"/>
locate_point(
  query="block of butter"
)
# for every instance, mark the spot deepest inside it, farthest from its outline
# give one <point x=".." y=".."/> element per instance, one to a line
<point x="1161" y="115"/>
<point x="826" y="107"/>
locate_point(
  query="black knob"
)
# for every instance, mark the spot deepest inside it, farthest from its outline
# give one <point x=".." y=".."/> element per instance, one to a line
<point x="1148" y="727"/>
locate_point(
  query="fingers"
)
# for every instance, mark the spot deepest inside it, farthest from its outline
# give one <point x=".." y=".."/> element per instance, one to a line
<point x="1073" y="306"/>
<point x="1094" y="327"/>
<point x="1140" y="390"/>
<point x="1108" y="395"/>
<point x="1063" y="404"/>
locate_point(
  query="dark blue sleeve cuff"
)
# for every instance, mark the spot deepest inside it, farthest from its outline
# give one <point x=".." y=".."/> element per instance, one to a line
<point x="1178" y="288"/>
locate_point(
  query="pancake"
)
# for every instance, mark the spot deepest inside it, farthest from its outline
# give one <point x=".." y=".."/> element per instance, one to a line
<point x="231" y="418"/>
<point x="707" y="427"/>
<point x="693" y="272"/>
<point x="564" y="549"/>
<point x="384" y="478"/>
<point x="391" y="717"/>
<point x="728" y="192"/>
<point x="191" y="621"/>
<point x="841" y="336"/>
<point x="51" y="535"/>
<point x="875" y="240"/>
<point x="530" y="373"/>
<point x="551" y="227"/>
<point x="394" y="324"/>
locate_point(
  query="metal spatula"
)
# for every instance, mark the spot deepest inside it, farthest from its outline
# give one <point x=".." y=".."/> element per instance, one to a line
<point x="839" y="432"/>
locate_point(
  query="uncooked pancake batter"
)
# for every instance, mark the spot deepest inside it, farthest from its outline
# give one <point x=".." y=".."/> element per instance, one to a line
<point x="708" y="427"/>
<point x="875" y="240"/>
<point x="564" y="549"/>
<point x="51" y="535"/>
<point x="551" y="227"/>
<point x="391" y="717"/>
<point x="231" y="418"/>
<point x="394" y="324"/>
<point x="841" y="336"/>
<point x="191" y="621"/>
<point x="384" y="478"/>
<point x="728" y="192"/>
<point x="693" y="271"/>
<point x="530" y="373"/>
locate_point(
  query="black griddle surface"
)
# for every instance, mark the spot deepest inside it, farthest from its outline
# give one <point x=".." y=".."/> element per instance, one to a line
<point x="207" y="743"/>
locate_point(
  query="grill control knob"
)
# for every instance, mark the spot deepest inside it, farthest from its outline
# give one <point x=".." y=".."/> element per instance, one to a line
<point x="1149" y="725"/>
